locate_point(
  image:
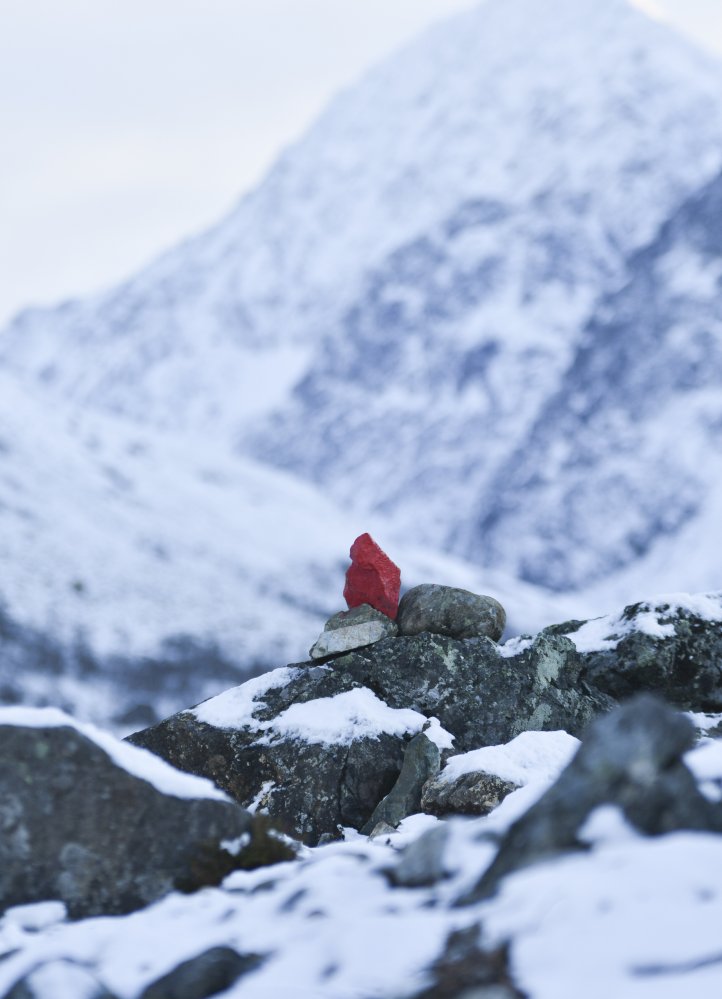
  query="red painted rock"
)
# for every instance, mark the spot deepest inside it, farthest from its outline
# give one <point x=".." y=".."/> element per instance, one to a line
<point x="372" y="578"/>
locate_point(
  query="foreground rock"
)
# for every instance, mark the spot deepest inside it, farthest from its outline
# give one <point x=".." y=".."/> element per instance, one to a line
<point x="307" y="746"/>
<point x="447" y="610"/>
<point x="96" y="823"/>
<point x="631" y="760"/>
<point x="207" y="974"/>
<point x="469" y="970"/>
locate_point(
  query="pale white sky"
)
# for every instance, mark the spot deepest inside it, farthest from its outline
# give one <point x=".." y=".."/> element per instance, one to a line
<point x="126" y="125"/>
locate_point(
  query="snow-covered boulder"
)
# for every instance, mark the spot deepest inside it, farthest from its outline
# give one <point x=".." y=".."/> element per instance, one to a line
<point x="475" y="783"/>
<point x="319" y="746"/>
<point x="100" y="825"/>
<point x="671" y="645"/>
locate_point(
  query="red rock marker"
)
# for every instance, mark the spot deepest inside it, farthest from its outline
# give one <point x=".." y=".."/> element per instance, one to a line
<point x="372" y="578"/>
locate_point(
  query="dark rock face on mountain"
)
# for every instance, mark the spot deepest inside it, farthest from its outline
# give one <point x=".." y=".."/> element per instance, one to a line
<point x="632" y="362"/>
<point x="631" y="759"/>
<point x="78" y="827"/>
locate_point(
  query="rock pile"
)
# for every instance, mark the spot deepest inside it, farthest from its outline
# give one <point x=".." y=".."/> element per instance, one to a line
<point x="372" y="593"/>
<point x="321" y="745"/>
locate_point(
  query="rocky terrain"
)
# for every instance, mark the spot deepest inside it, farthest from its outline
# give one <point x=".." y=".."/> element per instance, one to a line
<point x="393" y="821"/>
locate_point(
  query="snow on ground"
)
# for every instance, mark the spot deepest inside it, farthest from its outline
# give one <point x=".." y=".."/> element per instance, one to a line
<point x="133" y="759"/>
<point x="634" y="918"/>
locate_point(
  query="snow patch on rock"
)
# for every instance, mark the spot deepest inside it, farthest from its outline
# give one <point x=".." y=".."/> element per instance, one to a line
<point x="603" y="634"/>
<point x="134" y="760"/>
<point x="339" y="720"/>
<point x="530" y="757"/>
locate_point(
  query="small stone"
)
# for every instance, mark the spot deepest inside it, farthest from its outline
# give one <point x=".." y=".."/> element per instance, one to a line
<point x="447" y="610"/>
<point x="353" y="629"/>
<point x="372" y="578"/>
<point x="474" y="793"/>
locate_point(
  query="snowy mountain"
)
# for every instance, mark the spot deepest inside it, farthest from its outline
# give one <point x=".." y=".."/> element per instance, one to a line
<point x="475" y="308"/>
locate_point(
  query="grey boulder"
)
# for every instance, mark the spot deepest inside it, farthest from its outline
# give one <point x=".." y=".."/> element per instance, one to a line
<point x="310" y="785"/>
<point x="78" y="827"/>
<point x="475" y="793"/>
<point x="448" y="610"/>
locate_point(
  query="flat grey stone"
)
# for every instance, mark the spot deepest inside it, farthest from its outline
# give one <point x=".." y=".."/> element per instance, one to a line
<point x="352" y="629"/>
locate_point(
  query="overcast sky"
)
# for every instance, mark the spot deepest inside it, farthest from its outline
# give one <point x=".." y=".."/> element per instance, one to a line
<point x="126" y="125"/>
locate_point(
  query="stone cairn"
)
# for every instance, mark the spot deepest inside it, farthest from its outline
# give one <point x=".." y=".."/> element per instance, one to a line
<point x="373" y="584"/>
